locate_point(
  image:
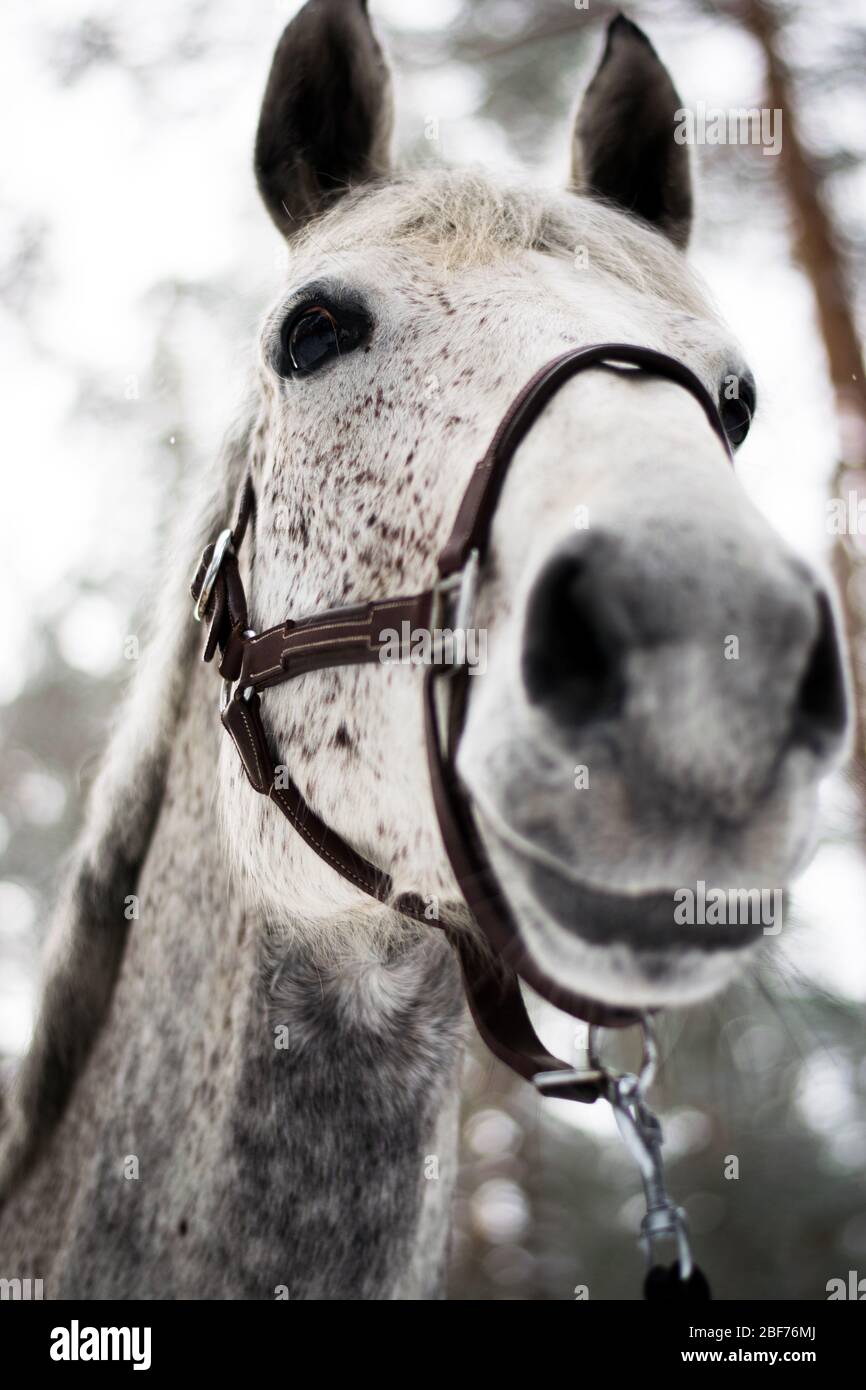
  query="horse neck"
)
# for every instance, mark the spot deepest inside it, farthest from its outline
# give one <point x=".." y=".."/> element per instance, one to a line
<point x="251" y="1118"/>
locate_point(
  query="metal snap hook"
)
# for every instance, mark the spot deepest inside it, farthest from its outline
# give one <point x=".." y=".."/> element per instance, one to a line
<point x="641" y="1133"/>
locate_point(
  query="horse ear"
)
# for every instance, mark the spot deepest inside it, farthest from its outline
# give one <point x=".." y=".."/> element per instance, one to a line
<point x="624" y="148"/>
<point x="326" y="116"/>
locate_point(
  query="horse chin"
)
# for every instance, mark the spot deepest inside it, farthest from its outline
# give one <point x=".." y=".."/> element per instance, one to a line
<point x="615" y="948"/>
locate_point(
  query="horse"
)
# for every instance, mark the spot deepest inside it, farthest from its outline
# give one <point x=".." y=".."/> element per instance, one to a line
<point x="242" y="1066"/>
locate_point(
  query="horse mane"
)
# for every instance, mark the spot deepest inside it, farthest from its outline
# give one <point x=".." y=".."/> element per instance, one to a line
<point x="88" y="934"/>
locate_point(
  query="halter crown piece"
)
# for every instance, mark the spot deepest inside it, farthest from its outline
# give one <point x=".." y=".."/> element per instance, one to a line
<point x="250" y="662"/>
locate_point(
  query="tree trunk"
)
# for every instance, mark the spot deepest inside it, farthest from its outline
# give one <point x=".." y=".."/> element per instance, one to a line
<point x="816" y="246"/>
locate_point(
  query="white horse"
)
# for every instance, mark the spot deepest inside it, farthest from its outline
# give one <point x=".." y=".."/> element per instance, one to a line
<point x="241" y="1062"/>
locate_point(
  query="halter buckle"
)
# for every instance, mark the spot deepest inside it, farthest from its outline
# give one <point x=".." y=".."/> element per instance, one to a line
<point x="463" y="583"/>
<point x="220" y="546"/>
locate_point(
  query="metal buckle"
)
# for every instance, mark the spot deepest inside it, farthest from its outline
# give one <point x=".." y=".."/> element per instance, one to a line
<point x="220" y="546"/>
<point x="465" y="584"/>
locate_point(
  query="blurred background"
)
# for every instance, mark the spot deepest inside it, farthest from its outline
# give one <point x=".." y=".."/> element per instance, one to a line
<point x="135" y="259"/>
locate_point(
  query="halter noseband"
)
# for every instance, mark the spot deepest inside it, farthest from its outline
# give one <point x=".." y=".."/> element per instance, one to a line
<point x="251" y="662"/>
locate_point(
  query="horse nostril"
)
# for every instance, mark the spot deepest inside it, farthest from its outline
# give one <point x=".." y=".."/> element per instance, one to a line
<point x="821" y="711"/>
<point x="573" y="643"/>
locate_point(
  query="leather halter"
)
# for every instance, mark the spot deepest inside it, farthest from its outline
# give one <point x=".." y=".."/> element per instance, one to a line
<point x="252" y="662"/>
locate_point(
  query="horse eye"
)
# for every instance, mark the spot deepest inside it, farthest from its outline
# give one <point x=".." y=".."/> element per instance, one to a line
<point x="316" y="334"/>
<point x="737" y="410"/>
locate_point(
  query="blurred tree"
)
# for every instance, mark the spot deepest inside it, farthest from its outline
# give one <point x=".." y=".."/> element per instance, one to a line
<point x="817" y="245"/>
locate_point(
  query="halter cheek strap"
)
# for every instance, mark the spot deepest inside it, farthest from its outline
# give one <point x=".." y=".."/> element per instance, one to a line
<point x="252" y="662"/>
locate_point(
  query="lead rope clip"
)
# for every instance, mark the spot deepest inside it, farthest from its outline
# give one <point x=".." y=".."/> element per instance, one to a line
<point x="641" y="1133"/>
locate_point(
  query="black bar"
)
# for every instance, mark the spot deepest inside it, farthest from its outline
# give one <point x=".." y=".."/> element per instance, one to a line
<point x="257" y="1338"/>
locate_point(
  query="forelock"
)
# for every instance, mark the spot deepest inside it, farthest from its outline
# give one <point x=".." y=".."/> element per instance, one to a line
<point x="461" y="218"/>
